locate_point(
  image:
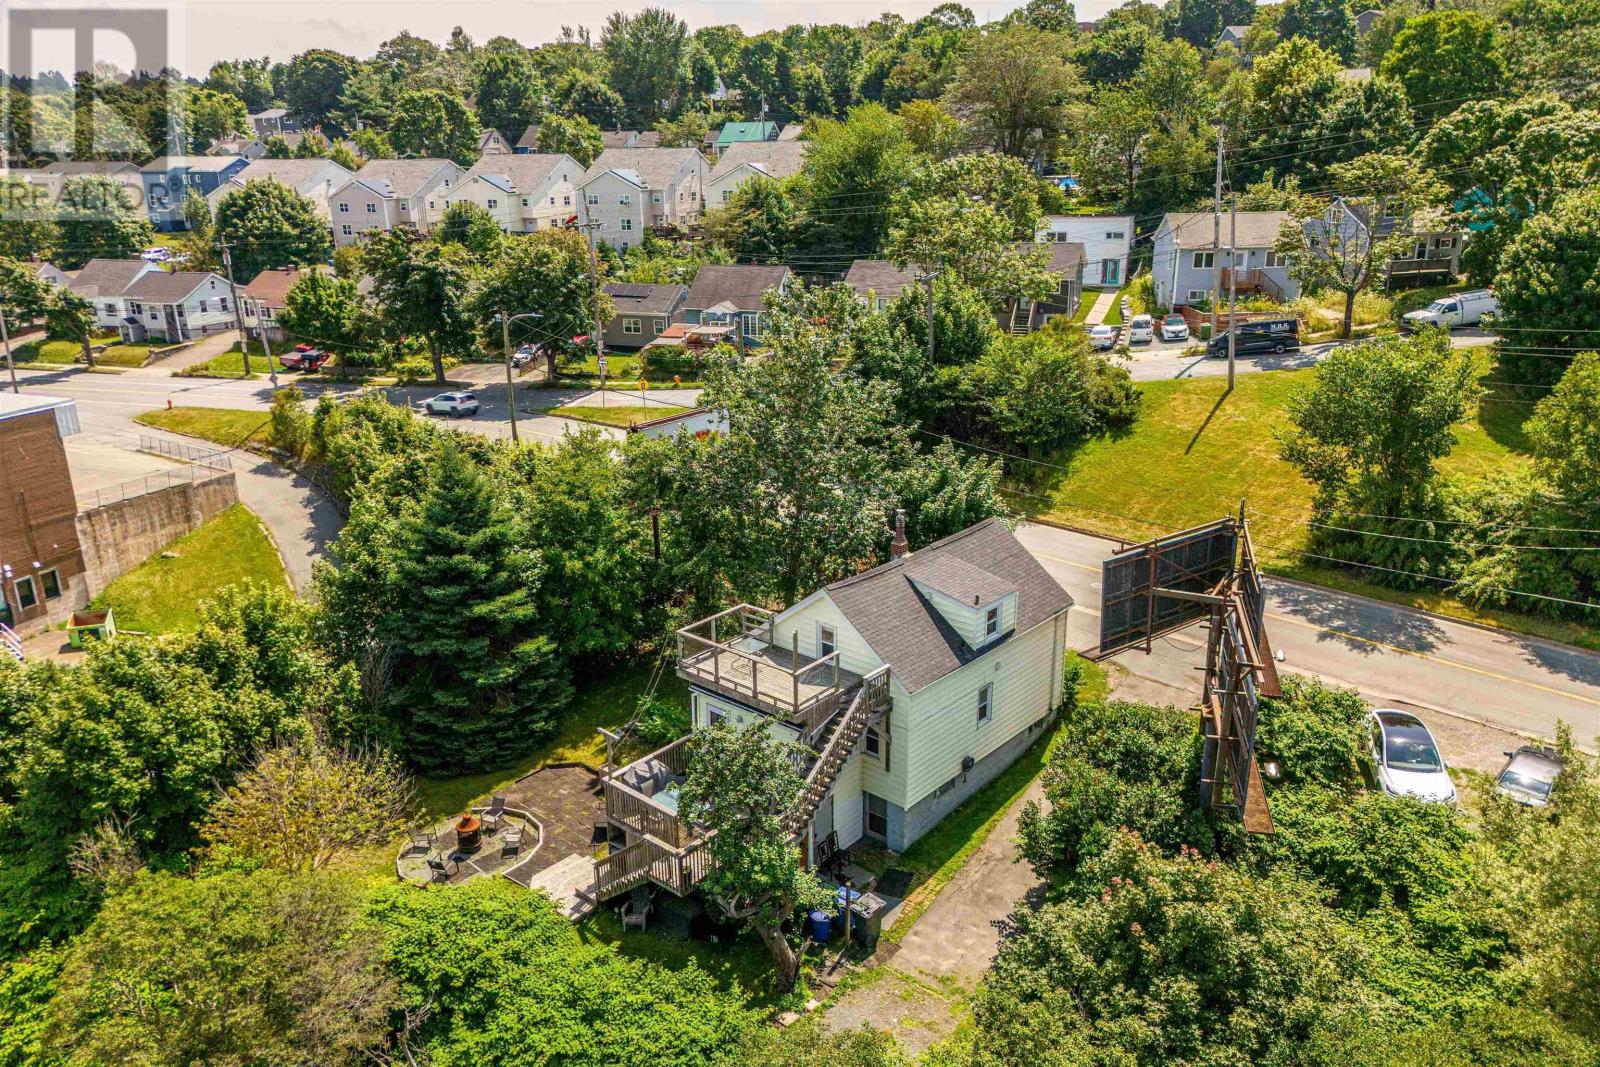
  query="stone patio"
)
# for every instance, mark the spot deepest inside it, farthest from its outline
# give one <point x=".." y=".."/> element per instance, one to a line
<point x="490" y="858"/>
<point x="567" y="801"/>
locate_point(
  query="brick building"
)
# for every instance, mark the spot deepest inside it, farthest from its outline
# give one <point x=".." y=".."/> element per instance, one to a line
<point x="38" y="513"/>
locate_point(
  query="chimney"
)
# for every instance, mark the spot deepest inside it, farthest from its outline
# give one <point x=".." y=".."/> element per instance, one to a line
<point x="899" y="546"/>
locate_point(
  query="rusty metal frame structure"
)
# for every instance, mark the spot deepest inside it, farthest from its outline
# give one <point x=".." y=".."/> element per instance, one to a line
<point x="1207" y="573"/>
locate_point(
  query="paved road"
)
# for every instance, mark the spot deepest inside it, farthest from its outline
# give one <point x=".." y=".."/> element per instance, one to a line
<point x="1162" y="360"/>
<point x="1391" y="654"/>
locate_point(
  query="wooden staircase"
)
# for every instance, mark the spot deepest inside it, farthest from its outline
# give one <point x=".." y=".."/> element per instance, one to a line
<point x="871" y="699"/>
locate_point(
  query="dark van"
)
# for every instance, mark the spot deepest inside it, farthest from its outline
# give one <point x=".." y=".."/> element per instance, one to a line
<point x="1263" y="335"/>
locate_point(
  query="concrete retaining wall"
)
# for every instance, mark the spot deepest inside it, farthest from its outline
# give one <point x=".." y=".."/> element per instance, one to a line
<point x="120" y="536"/>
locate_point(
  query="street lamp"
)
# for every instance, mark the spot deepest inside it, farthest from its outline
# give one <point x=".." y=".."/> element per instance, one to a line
<point x="511" y="389"/>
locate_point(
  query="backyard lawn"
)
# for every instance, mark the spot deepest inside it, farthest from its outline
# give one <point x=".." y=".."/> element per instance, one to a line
<point x="230" y="427"/>
<point x="163" y="595"/>
<point x="623" y="415"/>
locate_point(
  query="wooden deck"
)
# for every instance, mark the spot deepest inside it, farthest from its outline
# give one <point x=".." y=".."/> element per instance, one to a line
<point x="767" y="678"/>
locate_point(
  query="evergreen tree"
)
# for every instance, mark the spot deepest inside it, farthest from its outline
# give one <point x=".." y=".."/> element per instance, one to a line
<point x="475" y="681"/>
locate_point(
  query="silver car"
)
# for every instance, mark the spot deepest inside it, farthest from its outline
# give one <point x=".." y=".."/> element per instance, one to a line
<point x="1529" y="776"/>
<point x="1405" y="758"/>
<point x="1102" y="336"/>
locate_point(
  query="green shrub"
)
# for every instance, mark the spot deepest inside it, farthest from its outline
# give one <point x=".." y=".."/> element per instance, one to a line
<point x="291" y="423"/>
<point x="1314" y="731"/>
<point x="660" y="722"/>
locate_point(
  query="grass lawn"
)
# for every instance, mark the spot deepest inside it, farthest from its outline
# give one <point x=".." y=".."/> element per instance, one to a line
<point x="606" y="701"/>
<point x="124" y="356"/>
<point x="935" y="857"/>
<point x="623" y="415"/>
<point x="230" y="427"/>
<point x="622" y="372"/>
<point x="1194" y="452"/>
<point x="1114" y="313"/>
<point x="163" y="595"/>
<point x="48" y="351"/>
<point x="229" y="364"/>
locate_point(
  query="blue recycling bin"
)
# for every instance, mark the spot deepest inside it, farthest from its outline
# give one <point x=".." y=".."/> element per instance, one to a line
<point x="821" y="926"/>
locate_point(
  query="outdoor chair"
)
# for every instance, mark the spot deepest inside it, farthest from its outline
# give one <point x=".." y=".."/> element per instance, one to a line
<point x="830" y="856"/>
<point x="496" y="814"/>
<point x="511" y="843"/>
<point x="441" y="868"/>
<point x="637" y="908"/>
<point x="421" y="841"/>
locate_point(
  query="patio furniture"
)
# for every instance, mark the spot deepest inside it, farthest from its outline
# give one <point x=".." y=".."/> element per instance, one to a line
<point x="441" y="868"/>
<point x="637" y="908"/>
<point x="511" y="843"/>
<point x="830" y="856"/>
<point x="421" y="841"/>
<point x="496" y="814"/>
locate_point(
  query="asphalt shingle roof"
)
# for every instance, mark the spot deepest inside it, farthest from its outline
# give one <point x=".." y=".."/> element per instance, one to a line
<point x="106" y="277"/>
<point x="164" y="164"/>
<point x="908" y="633"/>
<point x="402" y="178"/>
<point x="271" y="286"/>
<point x="291" y="172"/>
<point x="656" y="167"/>
<point x="779" y="159"/>
<point x="162" y="287"/>
<point x="879" y="277"/>
<point x="1257" y="229"/>
<point x="740" y="285"/>
<point x="1065" y="256"/>
<point x="632" y="298"/>
<point x="524" y="172"/>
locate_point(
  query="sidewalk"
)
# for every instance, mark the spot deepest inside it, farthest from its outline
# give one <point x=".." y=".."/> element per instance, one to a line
<point x="202" y="350"/>
<point x="1102" y="307"/>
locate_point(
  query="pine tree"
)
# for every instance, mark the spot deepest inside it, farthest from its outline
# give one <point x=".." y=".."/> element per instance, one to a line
<point x="476" y="680"/>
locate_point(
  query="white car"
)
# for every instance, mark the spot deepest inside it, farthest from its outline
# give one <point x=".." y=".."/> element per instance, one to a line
<point x="456" y="404"/>
<point x="156" y="255"/>
<point x="1174" y="328"/>
<point x="1461" y="309"/>
<point x="1141" y="330"/>
<point x="1405" y="759"/>
<point x="1102" y="336"/>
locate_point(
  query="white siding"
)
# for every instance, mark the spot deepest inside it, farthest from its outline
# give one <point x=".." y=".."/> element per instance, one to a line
<point x="968" y="619"/>
<point x="938" y="726"/>
<point x="800" y="622"/>
<point x="702" y="704"/>
<point x="1094" y="232"/>
<point x="847" y="813"/>
<point x="721" y="189"/>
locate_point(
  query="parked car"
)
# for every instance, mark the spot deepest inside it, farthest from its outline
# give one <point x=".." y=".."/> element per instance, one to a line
<point x="156" y="255"/>
<point x="304" y="357"/>
<point x="1141" y="330"/>
<point x="1529" y="775"/>
<point x="523" y="356"/>
<point x="1406" y="760"/>
<point x="1103" y="336"/>
<point x="1174" y="328"/>
<point x="1462" y="309"/>
<point x="457" y="404"/>
<point x="1264" y="335"/>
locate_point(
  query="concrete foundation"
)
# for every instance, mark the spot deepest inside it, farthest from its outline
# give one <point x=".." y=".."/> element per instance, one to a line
<point x="119" y="536"/>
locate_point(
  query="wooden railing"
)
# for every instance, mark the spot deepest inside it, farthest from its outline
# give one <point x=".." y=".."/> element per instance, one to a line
<point x="872" y="697"/>
<point x="1251" y="278"/>
<point x="652" y="860"/>
<point x="641" y="814"/>
<point x="716" y="652"/>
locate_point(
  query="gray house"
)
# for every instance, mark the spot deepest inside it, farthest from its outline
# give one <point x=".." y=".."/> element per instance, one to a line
<point x="1433" y="257"/>
<point x="1067" y="261"/>
<point x="733" y="295"/>
<point x="1181" y="265"/>
<point x="643" y="312"/>
<point x="879" y="282"/>
<point x="169" y="180"/>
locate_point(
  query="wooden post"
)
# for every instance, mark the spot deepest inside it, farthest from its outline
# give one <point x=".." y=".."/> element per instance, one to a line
<point x="794" y="670"/>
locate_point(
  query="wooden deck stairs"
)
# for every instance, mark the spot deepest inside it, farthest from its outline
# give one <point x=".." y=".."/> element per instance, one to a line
<point x="871" y="699"/>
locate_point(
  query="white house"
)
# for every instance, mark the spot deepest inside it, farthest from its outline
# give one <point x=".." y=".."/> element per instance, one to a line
<point x="524" y="192"/>
<point x="314" y="179"/>
<point x="104" y="283"/>
<point x="1181" y="266"/>
<point x="916" y="682"/>
<point x="177" y="306"/>
<point x="628" y="190"/>
<point x="493" y="144"/>
<point x="387" y="193"/>
<point x="749" y="160"/>
<point x="1107" y="244"/>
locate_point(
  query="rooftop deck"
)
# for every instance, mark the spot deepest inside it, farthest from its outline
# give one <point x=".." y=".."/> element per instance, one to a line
<point x="733" y="654"/>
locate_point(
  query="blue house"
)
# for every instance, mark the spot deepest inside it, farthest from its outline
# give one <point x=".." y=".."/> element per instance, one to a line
<point x="169" y="180"/>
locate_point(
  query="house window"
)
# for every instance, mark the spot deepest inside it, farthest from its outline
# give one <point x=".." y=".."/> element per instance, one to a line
<point x="874" y="743"/>
<point x="222" y="302"/>
<point x="346" y="230"/>
<point x="27" y="593"/>
<point x="1277" y="259"/>
<point x="1198" y="295"/>
<point x="991" y="622"/>
<point x="624" y="246"/>
<point x="403" y="205"/>
<point x="594" y="198"/>
<point x="624" y="199"/>
<point x="630" y="326"/>
<point x="430" y="205"/>
<point x="827" y="641"/>
<point x="985" y="702"/>
<point x="372" y="209"/>
<point x="1446" y="243"/>
<point x="658" y="324"/>
<point x="111" y="309"/>
<point x="566" y="201"/>
<point x="493" y="204"/>
<point x="655" y="198"/>
<point x="136" y="308"/>
<point x="552" y="201"/>
<point x="344" y="208"/>
<point x="524" y="201"/>
<point x="727" y="194"/>
<point x="877" y="811"/>
<point x="51" y="581"/>
<point x="627" y="224"/>
<point x="694" y="195"/>
<point x="1116" y="235"/>
<point x="202" y="307"/>
<point x="1204" y="260"/>
<point x="713" y="716"/>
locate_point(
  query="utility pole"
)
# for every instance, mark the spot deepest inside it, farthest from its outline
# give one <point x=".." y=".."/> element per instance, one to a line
<point x="238" y="312"/>
<point x="511" y="388"/>
<point x="1233" y="240"/>
<point x="1216" y="236"/>
<point x="594" y="282"/>
<point x="927" y="279"/>
<point x="5" y="340"/>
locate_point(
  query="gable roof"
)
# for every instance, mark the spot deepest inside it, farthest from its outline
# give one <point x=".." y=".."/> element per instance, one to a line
<point x="738" y="284"/>
<point x="106" y="277"/>
<point x="1065" y="256"/>
<point x="618" y="138"/>
<point x="291" y="172"/>
<point x="791" y="132"/>
<point x="776" y="159"/>
<point x="161" y="287"/>
<point x="519" y="172"/>
<point x="271" y="286"/>
<point x="640" y="299"/>
<point x="1257" y="229"/>
<point x="400" y="178"/>
<point x="164" y="164"/>
<point x="747" y="131"/>
<point x="879" y="277"/>
<point x="908" y="633"/>
<point x="89" y="166"/>
<point x="653" y="167"/>
<point x="529" y="138"/>
<point x="647" y="139"/>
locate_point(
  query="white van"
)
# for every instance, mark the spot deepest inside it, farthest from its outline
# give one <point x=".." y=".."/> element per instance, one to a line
<point x="1459" y="309"/>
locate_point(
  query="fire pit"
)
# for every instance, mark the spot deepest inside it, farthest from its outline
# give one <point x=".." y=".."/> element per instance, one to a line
<point x="469" y="833"/>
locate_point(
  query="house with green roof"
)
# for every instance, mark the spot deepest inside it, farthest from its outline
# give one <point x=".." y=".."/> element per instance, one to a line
<point x="734" y="132"/>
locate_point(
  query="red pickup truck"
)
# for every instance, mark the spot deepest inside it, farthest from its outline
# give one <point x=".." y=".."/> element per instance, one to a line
<point x="304" y="357"/>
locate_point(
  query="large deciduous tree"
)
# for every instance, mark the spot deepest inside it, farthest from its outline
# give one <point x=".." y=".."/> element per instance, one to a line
<point x="98" y="219"/>
<point x="431" y="123"/>
<point x="741" y="785"/>
<point x="1328" y="23"/>
<point x="269" y="225"/>
<point x="1546" y="286"/>
<point x="574" y="135"/>
<point x="510" y="94"/>
<point x="315" y="83"/>
<point x="422" y="287"/>
<point x="648" y="57"/>
<point x="546" y="273"/>
<point x="1016" y="85"/>
<point x="328" y="311"/>
<point x="1444" y="58"/>
<point x="853" y="169"/>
